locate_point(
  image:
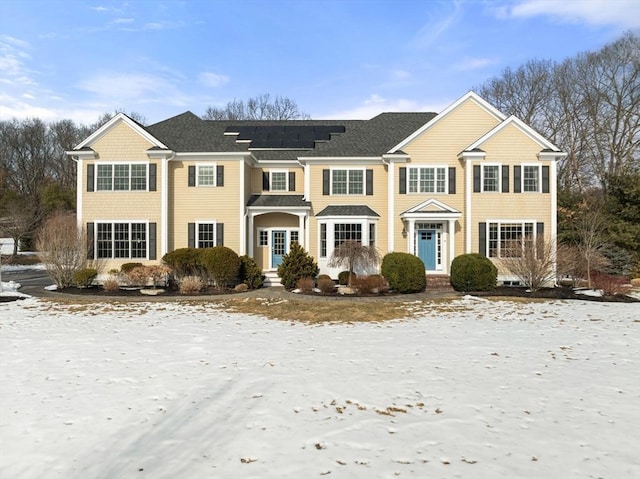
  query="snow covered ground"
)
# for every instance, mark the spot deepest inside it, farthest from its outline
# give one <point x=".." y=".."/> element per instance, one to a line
<point x="465" y="389"/>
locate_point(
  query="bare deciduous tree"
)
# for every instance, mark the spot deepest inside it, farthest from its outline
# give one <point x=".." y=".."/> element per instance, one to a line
<point x="355" y="256"/>
<point x="532" y="260"/>
<point x="260" y="107"/>
<point x="63" y="248"/>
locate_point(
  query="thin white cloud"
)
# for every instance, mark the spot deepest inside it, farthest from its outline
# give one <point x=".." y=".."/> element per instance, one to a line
<point x="376" y="104"/>
<point x="474" y="64"/>
<point x="622" y="13"/>
<point x="437" y="24"/>
<point x="119" y="21"/>
<point x="212" y="80"/>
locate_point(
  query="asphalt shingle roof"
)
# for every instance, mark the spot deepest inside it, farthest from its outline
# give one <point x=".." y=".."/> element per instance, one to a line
<point x="189" y="133"/>
<point x="277" y="201"/>
<point x="347" y="210"/>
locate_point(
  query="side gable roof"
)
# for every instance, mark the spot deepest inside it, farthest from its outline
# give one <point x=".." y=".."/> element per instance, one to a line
<point x="443" y="114"/>
<point x="522" y="126"/>
<point x="117" y="119"/>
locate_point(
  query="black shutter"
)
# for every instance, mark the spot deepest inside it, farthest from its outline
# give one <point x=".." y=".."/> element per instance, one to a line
<point x="292" y="181"/>
<point x="326" y="182"/>
<point x="192" y="176"/>
<point x="482" y="239"/>
<point x="90" y="237"/>
<point x="152" y="241"/>
<point x="219" y="234"/>
<point x="505" y="178"/>
<point x="476" y="178"/>
<point x="369" y="190"/>
<point x="540" y="240"/>
<point x="90" y="170"/>
<point x="192" y="235"/>
<point x="545" y="179"/>
<point x="153" y="174"/>
<point x="265" y="181"/>
<point x="402" y="178"/>
<point x="516" y="179"/>
<point x="220" y="175"/>
<point x="452" y="180"/>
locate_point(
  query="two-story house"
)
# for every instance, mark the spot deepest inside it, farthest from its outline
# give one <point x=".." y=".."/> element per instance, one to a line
<point x="465" y="180"/>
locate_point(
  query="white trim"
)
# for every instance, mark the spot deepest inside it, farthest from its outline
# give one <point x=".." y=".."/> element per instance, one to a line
<point x="199" y="155"/>
<point x="468" y="96"/>
<point x="467" y="206"/>
<point x="241" y="211"/>
<point x="286" y="180"/>
<point x="81" y="188"/>
<point x="342" y="161"/>
<point x="499" y="185"/>
<point x="164" y="207"/>
<point x="435" y="179"/>
<point x="391" y="197"/>
<point x="431" y="201"/>
<point x="120" y="118"/>
<point x="215" y="175"/>
<point x="501" y="222"/>
<point x="364" y="181"/>
<point x="120" y="163"/>
<point x="112" y="222"/>
<point x="539" y="167"/>
<point x="82" y="155"/>
<point x="522" y="126"/>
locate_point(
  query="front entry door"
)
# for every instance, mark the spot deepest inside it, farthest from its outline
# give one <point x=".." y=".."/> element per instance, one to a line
<point x="427" y="248"/>
<point x="278" y="247"/>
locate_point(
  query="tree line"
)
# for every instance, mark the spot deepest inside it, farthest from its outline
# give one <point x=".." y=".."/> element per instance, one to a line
<point x="588" y="105"/>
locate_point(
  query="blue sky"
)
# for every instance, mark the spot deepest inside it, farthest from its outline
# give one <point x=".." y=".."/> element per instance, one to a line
<point x="337" y="59"/>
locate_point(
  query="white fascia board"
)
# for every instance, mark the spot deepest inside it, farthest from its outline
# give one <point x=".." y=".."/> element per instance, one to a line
<point x="431" y="215"/>
<point x="82" y="154"/>
<point x="344" y="218"/>
<point x="472" y="155"/>
<point x="470" y="95"/>
<point x="120" y="117"/>
<point x="281" y="209"/>
<point x="279" y="163"/>
<point x="444" y="208"/>
<point x="551" y="155"/>
<point x="341" y="160"/>
<point x="160" y="154"/>
<point x="205" y="155"/>
<point x="522" y="126"/>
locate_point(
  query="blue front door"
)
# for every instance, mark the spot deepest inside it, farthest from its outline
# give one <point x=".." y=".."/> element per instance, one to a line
<point x="278" y="247"/>
<point x="427" y="248"/>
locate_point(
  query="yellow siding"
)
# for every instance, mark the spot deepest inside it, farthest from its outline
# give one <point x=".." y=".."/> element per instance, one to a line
<point x="256" y="181"/>
<point x="202" y="204"/>
<point x="121" y="143"/>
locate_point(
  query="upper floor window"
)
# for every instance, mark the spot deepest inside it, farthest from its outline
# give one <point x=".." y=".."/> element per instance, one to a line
<point x="206" y="175"/>
<point x="121" y="177"/>
<point x="278" y="180"/>
<point x="427" y="180"/>
<point x="531" y="178"/>
<point x="347" y="182"/>
<point x="490" y="177"/>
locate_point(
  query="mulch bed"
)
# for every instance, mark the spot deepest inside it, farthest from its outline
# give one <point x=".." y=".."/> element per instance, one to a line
<point x="554" y="293"/>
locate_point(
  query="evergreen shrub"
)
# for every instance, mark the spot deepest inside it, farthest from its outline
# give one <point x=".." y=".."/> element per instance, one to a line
<point x="127" y="267"/>
<point x="473" y="272"/>
<point x="326" y="284"/>
<point x="404" y="272"/>
<point x="250" y="273"/>
<point x="222" y="265"/>
<point x="184" y="262"/>
<point x="84" y="277"/>
<point x="343" y="278"/>
<point x="296" y="264"/>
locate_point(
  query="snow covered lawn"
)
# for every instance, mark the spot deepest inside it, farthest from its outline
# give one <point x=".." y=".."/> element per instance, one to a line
<point x="466" y="389"/>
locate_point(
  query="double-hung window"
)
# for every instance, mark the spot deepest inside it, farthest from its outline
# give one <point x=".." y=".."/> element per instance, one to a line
<point x="121" y="177"/>
<point x="279" y="180"/>
<point x="206" y="175"/>
<point x="206" y="235"/>
<point x="427" y="180"/>
<point x="507" y="240"/>
<point x="490" y="177"/>
<point x="121" y="240"/>
<point x="347" y="182"/>
<point x="531" y="178"/>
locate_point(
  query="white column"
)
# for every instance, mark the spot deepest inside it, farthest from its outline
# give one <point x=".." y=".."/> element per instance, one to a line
<point x="391" y="220"/>
<point x="301" y="231"/>
<point x="164" y="208"/>
<point x="411" y="236"/>
<point x="452" y="251"/>
<point x="242" y="208"/>
<point x="250" y="235"/>
<point x="79" y="191"/>
<point x="467" y="205"/>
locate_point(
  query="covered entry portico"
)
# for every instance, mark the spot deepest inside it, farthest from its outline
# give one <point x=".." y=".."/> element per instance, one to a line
<point x="430" y="229"/>
<point x="274" y="222"/>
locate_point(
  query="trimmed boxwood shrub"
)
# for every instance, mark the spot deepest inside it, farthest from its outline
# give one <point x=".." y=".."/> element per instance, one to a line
<point x="222" y="265"/>
<point x="84" y="277"/>
<point x="250" y="273"/>
<point x="473" y="272"/>
<point x="326" y="284"/>
<point x="184" y="262"/>
<point x="127" y="267"/>
<point x="343" y="278"/>
<point x="296" y="264"/>
<point x="404" y="272"/>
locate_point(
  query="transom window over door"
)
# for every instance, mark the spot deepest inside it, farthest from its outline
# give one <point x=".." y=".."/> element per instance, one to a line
<point x="427" y="180"/>
<point x="347" y="182"/>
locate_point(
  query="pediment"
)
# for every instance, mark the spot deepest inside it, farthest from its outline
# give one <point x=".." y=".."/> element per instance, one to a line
<point x="432" y="206"/>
